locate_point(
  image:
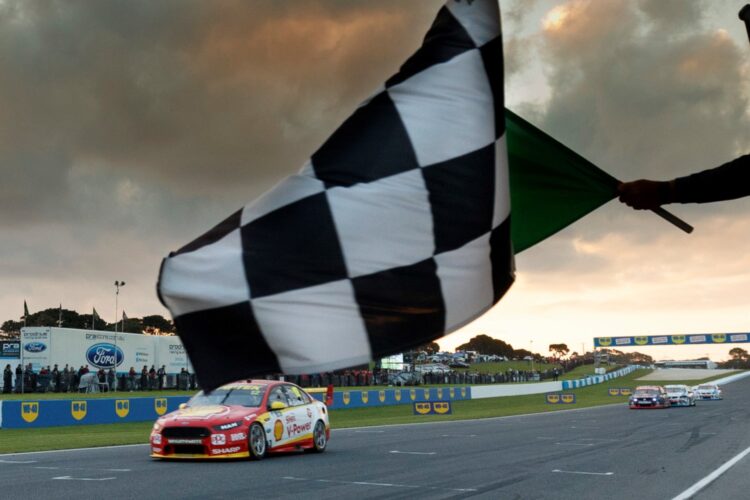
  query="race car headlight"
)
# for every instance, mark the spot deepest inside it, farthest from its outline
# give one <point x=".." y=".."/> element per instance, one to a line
<point x="227" y="426"/>
<point x="157" y="426"/>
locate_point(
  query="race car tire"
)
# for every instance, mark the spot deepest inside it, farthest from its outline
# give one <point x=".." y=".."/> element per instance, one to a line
<point x="256" y="442"/>
<point x="320" y="440"/>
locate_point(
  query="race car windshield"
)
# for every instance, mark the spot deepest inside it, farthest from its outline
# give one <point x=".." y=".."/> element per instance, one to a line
<point x="706" y="387"/>
<point x="675" y="389"/>
<point x="250" y="396"/>
<point x="647" y="392"/>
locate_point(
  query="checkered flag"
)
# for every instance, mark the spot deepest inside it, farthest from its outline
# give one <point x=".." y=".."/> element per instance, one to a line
<point x="394" y="233"/>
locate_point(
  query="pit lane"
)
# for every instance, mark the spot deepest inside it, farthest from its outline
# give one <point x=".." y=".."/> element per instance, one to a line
<point x="604" y="452"/>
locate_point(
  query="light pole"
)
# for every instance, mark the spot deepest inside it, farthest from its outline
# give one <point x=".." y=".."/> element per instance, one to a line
<point x="118" y="284"/>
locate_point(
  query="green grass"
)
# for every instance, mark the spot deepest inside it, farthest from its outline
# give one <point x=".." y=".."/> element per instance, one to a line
<point x="51" y="438"/>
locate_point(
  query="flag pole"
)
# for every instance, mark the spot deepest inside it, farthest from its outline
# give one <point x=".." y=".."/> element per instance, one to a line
<point x="673" y="219"/>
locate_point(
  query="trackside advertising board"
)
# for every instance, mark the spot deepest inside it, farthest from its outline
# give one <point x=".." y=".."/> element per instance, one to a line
<point x="688" y="339"/>
<point x="47" y="346"/>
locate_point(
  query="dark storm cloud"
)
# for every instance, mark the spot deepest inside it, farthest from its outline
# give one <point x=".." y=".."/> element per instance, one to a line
<point x="193" y="96"/>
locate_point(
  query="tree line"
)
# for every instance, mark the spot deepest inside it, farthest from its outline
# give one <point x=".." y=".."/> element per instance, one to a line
<point x="68" y="318"/>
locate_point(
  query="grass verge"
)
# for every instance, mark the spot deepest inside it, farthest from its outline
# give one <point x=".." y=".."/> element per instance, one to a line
<point x="52" y="438"/>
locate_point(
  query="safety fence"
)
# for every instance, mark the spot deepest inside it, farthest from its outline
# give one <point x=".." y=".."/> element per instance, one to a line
<point x="50" y="413"/>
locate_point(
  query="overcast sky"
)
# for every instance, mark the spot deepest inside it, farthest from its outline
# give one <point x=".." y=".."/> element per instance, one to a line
<point x="129" y="128"/>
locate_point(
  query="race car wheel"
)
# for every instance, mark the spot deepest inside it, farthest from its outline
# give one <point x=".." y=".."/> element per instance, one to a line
<point x="257" y="441"/>
<point x="320" y="441"/>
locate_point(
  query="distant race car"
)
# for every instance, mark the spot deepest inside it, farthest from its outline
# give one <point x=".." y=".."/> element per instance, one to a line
<point x="649" y="396"/>
<point x="243" y="419"/>
<point x="680" y="395"/>
<point x="708" y="392"/>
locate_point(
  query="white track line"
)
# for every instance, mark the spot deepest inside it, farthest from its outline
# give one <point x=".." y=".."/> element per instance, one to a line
<point x="688" y="493"/>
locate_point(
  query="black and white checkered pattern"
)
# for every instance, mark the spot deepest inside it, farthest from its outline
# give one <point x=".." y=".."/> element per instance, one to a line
<point x="396" y="232"/>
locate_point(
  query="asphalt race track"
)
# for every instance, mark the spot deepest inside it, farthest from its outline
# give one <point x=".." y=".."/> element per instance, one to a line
<point x="607" y="452"/>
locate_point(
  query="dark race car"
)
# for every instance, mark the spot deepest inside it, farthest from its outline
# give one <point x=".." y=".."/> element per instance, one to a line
<point x="243" y="419"/>
<point x="649" y="396"/>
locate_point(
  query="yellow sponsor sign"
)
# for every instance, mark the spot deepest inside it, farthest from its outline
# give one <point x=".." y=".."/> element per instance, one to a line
<point x="719" y="338"/>
<point x="605" y="341"/>
<point x="78" y="409"/>
<point x="626" y="391"/>
<point x="30" y="411"/>
<point x="413" y="394"/>
<point x="441" y="407"/>
<point x="641" y="340"/>
<point x="427" y="394"/>
<point x="365" y="396"/>
<point x="422" y="408"/>
<point x="614" y="391"/>
<point x="122" y="407"/>
<point x="568" y="398"/>
<point x="553" y="398"/>
<point x="381" y="396"/>
<point x="160" y="407"/>
<point x="452" y="393"/>
<point x="397" y="394"/>
<point x="346" y="397"/>
<point x="678" y="339"/>
<point x="463" y="392"/>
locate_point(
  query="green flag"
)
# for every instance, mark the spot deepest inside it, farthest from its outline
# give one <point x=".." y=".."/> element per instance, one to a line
<point x="551" y="186"/>
<point x="25" y="309"/>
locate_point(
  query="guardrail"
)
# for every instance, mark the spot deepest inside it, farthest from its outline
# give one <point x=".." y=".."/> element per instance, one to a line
<point x="598" y="379"/>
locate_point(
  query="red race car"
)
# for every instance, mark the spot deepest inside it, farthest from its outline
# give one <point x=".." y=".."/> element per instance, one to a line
<point x="243" y="419"/>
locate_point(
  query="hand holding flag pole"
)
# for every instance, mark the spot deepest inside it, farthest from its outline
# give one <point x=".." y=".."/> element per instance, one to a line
<point x="744" y="15"/>
<point x="673" y="219"/>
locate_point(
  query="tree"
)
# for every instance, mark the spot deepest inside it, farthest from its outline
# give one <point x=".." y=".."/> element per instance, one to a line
<point x="430" y="348"/>
<point x="157" y="322"/>
<point x="484" y="344"/>
<point x="559" y="349"/>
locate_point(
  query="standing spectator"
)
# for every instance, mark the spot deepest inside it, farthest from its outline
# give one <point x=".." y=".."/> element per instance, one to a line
<point x="131" y="379"/>
<point x="160" y="375"/>
<point x="144" y="378"/>
<point x="152" y="378"/>
<point x="19" y="378"/>
<point x="7" y="379"/>
<point x="56" y="378"/>
<point x="183" y="380"/>
<point x="111" y="380"/>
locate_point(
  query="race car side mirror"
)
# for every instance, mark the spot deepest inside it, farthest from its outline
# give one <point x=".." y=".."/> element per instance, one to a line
<point x="277" y="405"/>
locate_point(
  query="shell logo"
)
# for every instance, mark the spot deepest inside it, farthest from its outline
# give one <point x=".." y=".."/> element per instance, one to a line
<point x="422" y="408"/>
<point x="29" y="411"/>
<point x="122" y="407"/>
<point x="605" y="341"/>
<point x="346" y="398"/>
<point x="719" y="338"/>
<point x="365" y="396"/>
<point x="678" y="339"/>
<point x="397" y="394"/>
<point x="641" y="340"/>
<point x="78" y="409"/>
<point x="278" y="430"/>
<point x="381" y="396"/>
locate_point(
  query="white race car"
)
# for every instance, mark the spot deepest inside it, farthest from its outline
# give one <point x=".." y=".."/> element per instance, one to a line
<point x="708" y="392"/>
<point x="680" y="395"/>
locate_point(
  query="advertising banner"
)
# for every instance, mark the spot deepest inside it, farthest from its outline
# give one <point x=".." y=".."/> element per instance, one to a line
<point x="10" y="349"/>
<point x="47" y="346"/>
<point x="687" y="339"/>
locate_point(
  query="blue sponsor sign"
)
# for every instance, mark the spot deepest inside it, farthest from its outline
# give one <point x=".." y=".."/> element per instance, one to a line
<point x="104" y="355"/>
<point x="686" y="339"/>
<point x="35" y="347"/>
<point x="10" y="349"/>
<point x="61" y="412"/>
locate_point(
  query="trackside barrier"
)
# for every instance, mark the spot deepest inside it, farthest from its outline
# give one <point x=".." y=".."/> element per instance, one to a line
<point x="388" y="397"/>
<point x="598" y="379"/>
<point x="52" y="413"/>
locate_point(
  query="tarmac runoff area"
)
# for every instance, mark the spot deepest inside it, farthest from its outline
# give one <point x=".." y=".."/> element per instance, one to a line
<point x="684" y="374"/>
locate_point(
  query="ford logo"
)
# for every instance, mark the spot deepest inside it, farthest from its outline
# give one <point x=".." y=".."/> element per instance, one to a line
<point x="104" y="355"/>
<point x="35" y="347"/>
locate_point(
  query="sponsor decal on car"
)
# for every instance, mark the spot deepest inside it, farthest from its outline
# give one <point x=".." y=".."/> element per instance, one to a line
<point x="298" y="429"/>
<point x="185" y="441"/>
<point x="309" y="413"/>
<point x="157" y="438"/>
<point x="238" y="436"/>
<point x="226" y="427"/>
<point x="218" y="439"/>
<point x="278" y="430"/>
<point x="224" y="451"/>
<point x="155" y="449"/>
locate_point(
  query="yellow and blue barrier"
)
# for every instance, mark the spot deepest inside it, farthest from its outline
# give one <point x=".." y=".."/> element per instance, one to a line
<point x="597" y="379"/>
<point x="52" y="413"/>
<point x="387" y="397"/>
